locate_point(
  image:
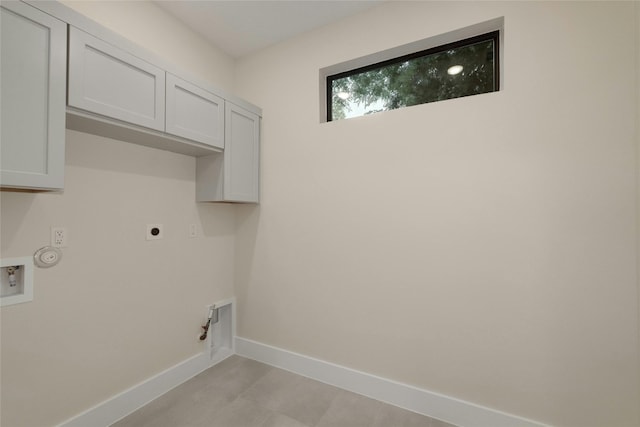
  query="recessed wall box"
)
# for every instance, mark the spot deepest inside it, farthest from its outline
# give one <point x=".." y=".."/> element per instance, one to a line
<point x="16" y="280"/>
<point x="222" y="330"/>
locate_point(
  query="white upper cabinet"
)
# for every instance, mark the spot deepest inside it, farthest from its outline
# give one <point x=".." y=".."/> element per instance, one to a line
<point x="91" y="80"/>
<point x="235" y="175"/>
<point x="108" y="81"/>
<point x="194" y="113"/>
<point x="33" y="86"/>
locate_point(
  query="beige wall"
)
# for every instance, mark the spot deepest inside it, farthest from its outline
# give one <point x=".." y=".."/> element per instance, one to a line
<point x="484" y="247"/>
<point x="117" y="309"/>
<point x="637" y="5"/>
<point x="637" y="91"/>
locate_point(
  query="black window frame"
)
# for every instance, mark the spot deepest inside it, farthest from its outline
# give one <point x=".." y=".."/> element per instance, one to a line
<point x="492" y="35"/>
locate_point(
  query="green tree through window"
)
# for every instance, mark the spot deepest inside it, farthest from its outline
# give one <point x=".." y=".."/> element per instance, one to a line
<point x="464" y="68"/>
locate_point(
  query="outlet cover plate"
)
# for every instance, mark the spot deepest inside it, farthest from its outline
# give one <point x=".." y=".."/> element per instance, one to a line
<point x="59" y="237"/>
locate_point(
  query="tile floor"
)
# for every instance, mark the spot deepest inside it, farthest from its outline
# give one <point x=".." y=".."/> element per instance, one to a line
<point x="239" y="392"/>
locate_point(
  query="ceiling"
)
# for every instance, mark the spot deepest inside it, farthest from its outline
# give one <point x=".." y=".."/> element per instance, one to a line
<point x="241" y="27"/>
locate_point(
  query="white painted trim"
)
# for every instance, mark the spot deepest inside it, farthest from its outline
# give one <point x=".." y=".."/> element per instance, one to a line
<point x="435" y="405"/>
<point x="132" y="399"/>
<point x="123" y="404"/>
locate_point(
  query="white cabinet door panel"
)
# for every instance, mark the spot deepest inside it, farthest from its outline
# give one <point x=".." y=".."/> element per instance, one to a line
<point x="194" y="113"/>
<point x="33" y="86"/>
<point x="108" y="81"/>
<point x="241" y="155"/>
<point x="234" y="175"/>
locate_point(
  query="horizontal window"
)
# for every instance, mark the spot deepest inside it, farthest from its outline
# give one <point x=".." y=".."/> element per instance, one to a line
<point x="463" y="68"/>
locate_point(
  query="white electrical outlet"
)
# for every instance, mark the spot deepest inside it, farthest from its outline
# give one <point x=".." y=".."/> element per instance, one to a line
<point x="193" y="230"/>
<point x="155" y="231"/>
<point x="59" y="237"/>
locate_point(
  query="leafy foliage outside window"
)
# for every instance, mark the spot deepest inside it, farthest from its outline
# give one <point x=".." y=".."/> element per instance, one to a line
<point x="464" y="68"/>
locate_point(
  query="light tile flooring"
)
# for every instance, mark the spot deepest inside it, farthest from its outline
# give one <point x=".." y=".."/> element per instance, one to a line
<point x="239" y="392"/>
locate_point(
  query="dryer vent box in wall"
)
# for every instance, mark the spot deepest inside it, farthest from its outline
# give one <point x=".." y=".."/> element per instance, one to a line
<point x="221" y="333"/>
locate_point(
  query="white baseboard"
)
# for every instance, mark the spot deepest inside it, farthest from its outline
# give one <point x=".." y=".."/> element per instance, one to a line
<point x="123" y="404"/>
<point x="445" y="408"/>
<point x="119" y="406"/>
<point x="435" y="405"/>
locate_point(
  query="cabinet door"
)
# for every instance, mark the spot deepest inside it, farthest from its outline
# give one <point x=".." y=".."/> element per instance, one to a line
<point x="33" y="86"/>
<point x="106" y="80"/>
<point x="241" y="155"/>
<point x="194" y="113"/>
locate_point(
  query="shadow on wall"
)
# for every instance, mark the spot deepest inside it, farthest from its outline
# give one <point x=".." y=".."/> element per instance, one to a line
<point x="247" y="222"/>
<point x="100" y="153"/>
<point x="215" y="218"/>
<point x="17" y="205"/>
